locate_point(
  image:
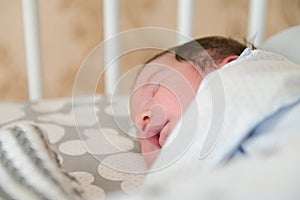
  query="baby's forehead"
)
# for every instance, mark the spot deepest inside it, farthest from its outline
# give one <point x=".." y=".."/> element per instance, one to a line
<point x="166" y="61"/>
<point x="157" y="68"/>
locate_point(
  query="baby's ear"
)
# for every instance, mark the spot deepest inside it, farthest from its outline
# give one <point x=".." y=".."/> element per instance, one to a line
<point x="227" y="60"/>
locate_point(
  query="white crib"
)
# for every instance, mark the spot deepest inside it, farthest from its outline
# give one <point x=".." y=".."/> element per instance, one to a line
<point x="111" y="9"/>
<point x="73" y="127"/>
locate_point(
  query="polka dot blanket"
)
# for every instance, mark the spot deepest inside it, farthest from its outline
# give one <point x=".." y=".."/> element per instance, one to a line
<point x="93" y="138"/>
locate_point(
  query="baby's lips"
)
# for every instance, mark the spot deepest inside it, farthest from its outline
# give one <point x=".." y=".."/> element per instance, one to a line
<point x="154" y="141"/>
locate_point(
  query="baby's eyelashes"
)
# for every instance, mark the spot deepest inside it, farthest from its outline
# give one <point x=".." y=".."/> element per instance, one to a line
<point x="155" y="89"/>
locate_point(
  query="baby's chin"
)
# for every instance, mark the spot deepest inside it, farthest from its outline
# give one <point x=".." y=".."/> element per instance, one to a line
<point x="150" y="151"/>
<point x="151" y="146"/>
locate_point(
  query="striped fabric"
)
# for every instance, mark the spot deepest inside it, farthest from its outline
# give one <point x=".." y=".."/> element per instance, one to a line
<point x="29" y="168"/>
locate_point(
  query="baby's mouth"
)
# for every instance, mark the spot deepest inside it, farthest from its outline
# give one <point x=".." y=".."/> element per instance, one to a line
<point x="154" y="140"/>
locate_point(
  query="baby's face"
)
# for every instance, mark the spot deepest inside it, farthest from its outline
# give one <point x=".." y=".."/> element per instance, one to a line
<point x="162" y="92"/>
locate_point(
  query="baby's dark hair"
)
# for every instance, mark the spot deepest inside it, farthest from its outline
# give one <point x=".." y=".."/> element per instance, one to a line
<point x="205" y="52"/>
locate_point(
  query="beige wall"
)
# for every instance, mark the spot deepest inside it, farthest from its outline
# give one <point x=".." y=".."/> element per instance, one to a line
<point x="71" y="28"/>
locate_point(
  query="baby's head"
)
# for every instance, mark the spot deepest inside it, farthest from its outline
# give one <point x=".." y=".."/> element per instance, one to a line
<point x="168" y="83"/>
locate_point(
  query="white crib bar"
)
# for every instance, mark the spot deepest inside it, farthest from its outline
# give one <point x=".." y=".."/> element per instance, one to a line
<point x="185" y="20"/>
<point x="257" y="21"/>
<point x="33" y="50"/>
<point x="111" y="10"/>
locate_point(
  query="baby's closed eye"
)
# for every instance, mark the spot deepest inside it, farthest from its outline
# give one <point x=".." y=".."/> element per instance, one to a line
<point x="155" y="89"/>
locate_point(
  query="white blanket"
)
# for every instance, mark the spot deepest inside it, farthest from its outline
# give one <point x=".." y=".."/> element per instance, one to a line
<point x="273" y="177"/>
<point x="251" y="107"/>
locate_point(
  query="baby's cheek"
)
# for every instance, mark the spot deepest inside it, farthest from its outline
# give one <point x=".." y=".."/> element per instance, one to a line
<point x="173" y="109"/>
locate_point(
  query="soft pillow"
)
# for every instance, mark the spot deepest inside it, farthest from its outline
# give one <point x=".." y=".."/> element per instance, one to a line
<point x="285" y="43"/>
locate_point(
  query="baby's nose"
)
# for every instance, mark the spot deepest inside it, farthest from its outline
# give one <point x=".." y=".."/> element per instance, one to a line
<point x="154" y="117"/>
<point x="142" y="120"/>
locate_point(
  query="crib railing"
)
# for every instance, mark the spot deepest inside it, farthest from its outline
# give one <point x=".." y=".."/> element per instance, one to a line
<point x="111" y="10"/>
<point x="33" y="50"/>
<point x="257" y="21"/>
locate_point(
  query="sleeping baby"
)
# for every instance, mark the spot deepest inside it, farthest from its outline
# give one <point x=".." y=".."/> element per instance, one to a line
<point x="259" y="110"/>
<point x="169" y="82"/>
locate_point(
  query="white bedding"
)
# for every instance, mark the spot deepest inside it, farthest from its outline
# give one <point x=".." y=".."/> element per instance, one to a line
<point x="273" y="177"/>
<point x="251" y="104"/>
<point x="231" y="104"/>
<point x="260" y="114"/>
